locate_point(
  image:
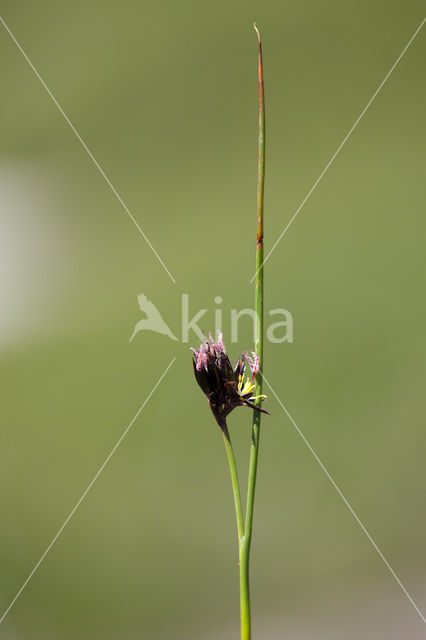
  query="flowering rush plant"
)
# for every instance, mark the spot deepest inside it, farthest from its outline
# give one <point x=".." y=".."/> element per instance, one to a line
<point x="228" y="387"/>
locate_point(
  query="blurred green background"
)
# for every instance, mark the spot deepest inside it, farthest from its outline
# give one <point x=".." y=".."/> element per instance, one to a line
<point x="165" y="96"/>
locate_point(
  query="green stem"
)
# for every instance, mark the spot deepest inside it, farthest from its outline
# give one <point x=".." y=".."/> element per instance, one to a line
<point x="235" y="483"/>
<point x="258" y="342"/>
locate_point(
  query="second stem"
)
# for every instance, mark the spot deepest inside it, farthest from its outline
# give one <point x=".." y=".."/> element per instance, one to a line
<point x="258" y="345"/>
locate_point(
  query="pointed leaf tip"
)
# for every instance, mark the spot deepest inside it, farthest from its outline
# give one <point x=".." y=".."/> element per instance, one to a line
<point x="257" y="31"/>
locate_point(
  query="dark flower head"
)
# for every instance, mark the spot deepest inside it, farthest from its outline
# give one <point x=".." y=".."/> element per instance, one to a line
<point x="223" y="384"/>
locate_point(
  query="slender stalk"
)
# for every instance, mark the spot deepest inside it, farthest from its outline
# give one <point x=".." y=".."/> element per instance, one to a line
<point x="258" y="341"/>
<point x="235" y="483"/>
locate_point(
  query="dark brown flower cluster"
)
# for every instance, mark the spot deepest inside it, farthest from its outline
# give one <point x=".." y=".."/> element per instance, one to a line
<point x="223" y="384"/>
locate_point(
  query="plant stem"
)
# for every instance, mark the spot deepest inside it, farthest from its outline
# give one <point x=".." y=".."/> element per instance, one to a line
<point x="258" y="342"/>
<point x="235" y="483"/>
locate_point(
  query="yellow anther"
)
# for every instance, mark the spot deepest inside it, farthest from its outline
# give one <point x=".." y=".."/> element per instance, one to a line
<point x="244" y="387"/>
